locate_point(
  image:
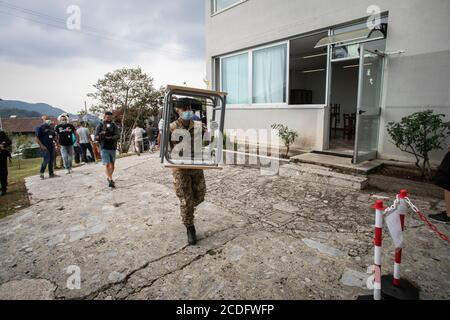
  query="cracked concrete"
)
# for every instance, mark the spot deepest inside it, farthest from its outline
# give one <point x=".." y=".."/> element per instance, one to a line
<point x="261" y="237"/>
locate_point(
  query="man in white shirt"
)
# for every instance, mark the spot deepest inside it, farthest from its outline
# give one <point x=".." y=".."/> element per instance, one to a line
<point x="85" y="142"/>
<point x="138" y="134"/>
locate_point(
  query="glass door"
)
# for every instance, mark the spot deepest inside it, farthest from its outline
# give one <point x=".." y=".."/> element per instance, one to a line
<point x="369" y="105"/>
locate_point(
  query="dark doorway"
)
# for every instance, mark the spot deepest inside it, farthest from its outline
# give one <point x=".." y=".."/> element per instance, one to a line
<point x="343" y="106"/>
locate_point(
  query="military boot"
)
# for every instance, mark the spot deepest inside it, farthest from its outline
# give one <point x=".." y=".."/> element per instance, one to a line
<point x="192" y="237"/>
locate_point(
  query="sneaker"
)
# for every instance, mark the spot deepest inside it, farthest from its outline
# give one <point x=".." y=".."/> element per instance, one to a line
<point x="440" y="217"/>
<point x="42" y="176"/>
<point x="67" y="171"/>
<point x="53" y="176"/>
<point x="111" y="184"/>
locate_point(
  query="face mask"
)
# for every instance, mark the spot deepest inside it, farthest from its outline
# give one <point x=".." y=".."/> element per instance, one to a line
<point x="63" y="121"/>
<point x="187" y="115"/>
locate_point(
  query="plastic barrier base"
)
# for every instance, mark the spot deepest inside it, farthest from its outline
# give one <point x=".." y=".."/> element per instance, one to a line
<point x="406" y="290"/>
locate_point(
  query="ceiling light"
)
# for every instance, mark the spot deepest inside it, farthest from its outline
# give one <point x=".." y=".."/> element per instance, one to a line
<point x="316" y="55"/>
<point x="355" y="65"/>
<point x="312" y="71"/>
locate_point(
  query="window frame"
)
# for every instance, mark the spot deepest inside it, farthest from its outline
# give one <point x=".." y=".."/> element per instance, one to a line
<point x="249" y="52"/>
<point x="214" y="10"/>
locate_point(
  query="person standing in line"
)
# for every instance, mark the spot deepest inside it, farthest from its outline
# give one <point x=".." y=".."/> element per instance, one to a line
<point x="96" y="146"/>
<point x="77" y="150"/>
<point x="45" y="138"/>
<point x="138" y="138"/>
<point x="85" y="142"/>
<point x="152" y="136"/>
<point x="442" y="179"/>
<point x="64" y="133"/>
<point x="5" y="143"/>
<point x="107" y="134"/>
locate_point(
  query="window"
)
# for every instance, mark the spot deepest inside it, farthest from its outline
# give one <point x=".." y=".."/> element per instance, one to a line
<point x="308" y="71"/>
<point x="219" y="5"/>
<point x="269" y="75"/>
<point x="235" y="78"/>
<point x="257" y="76"/>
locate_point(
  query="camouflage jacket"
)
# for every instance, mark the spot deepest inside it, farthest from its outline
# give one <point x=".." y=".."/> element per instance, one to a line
<point x="178" y="133"/>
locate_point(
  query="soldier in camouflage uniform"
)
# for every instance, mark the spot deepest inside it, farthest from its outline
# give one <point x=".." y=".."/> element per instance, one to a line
<point x="190" y="186"/>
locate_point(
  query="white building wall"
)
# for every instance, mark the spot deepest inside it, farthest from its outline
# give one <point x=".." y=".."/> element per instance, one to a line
<point x="413" y="81"/>
<point x="307" y="121"/>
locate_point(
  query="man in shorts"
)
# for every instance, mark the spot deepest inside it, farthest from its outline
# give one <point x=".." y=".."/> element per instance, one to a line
<point x="107" y="134"/>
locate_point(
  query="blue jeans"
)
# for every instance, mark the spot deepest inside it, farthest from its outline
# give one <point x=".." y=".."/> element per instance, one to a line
<point x="67" y="155"/>
<point x="49" y="157"/>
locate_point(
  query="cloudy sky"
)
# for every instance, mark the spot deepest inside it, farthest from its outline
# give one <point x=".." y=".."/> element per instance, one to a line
<point x="41" y="60"/>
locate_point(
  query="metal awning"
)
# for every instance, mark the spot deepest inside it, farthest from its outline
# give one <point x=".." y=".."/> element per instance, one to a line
<point x="352" y="37"/>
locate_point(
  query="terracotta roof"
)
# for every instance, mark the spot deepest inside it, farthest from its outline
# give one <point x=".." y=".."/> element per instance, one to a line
<point x="22" y="125"/>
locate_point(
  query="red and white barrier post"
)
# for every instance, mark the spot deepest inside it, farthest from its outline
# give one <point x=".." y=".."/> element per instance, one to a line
<point x="398" y="251"/>
<point x="378" y="241"/>
<point x="393" y="286"/>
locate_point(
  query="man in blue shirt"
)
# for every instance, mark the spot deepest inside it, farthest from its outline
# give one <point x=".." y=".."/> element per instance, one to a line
<point x="45" y="138"/>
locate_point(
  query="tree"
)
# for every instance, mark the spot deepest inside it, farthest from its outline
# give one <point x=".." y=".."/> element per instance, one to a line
<point x="288" y="136"/>
<point x="131" y="96"/>
<point x="20" y="143"/>
<point x="419" y="134"/>
<point x="82" y="114"/>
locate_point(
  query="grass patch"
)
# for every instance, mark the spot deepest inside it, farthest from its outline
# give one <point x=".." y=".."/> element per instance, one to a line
<point x="17" y="196"/>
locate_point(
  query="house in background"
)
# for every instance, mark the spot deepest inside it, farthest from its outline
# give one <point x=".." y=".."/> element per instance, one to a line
<point x="21" y="126"/>
<point x="329" y="69"/>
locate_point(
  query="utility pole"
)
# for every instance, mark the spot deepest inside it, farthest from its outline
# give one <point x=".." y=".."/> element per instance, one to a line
<point x="86" y="112"/>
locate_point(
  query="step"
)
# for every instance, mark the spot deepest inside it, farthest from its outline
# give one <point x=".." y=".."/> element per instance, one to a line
<point x="343" y="164"/>
<point x="323" y="175"/>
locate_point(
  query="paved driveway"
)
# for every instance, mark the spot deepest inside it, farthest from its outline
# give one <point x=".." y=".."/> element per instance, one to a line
<point x="261" y="238"/>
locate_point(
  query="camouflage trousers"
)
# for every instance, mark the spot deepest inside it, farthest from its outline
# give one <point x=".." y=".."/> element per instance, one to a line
<point x="190" y="188"/>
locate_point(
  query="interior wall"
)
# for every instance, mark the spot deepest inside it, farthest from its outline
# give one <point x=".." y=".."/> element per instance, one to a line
<point x="344" y="88"/>
<point x="310" y="81"/>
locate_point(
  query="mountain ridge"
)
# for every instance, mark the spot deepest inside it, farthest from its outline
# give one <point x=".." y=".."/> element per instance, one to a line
<point x="40" y="107"/>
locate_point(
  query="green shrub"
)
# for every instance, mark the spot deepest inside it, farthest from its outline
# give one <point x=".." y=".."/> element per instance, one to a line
<point x="419" y="134"/>
<point x="286" y="135"/>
